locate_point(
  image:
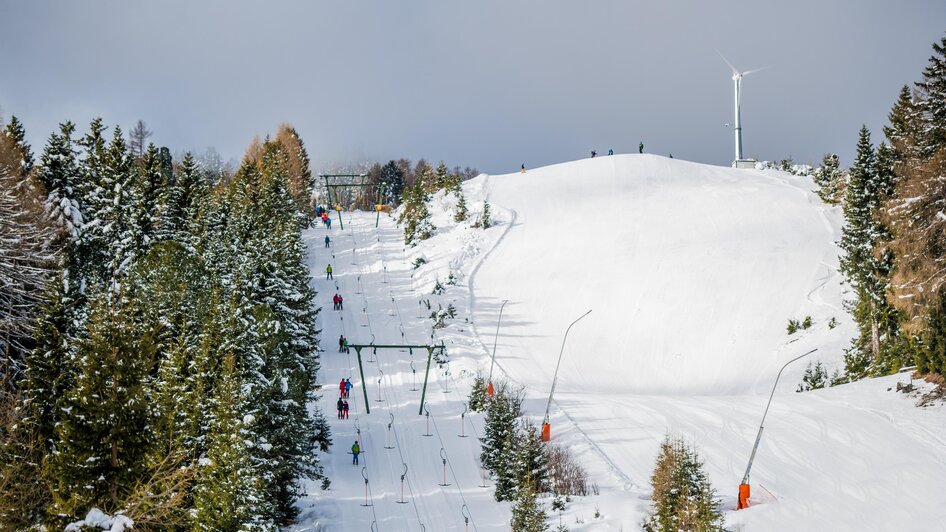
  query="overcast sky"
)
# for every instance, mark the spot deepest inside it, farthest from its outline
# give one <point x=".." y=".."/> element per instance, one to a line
<point x="484" y="83"/>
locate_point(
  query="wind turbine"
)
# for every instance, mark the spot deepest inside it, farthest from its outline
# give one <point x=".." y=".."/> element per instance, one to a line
<point x="737" y="82"/>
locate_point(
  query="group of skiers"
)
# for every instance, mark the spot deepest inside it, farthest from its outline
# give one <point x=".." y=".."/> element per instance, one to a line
<point x="594" y="153"/>
<point x="344" y="385"/>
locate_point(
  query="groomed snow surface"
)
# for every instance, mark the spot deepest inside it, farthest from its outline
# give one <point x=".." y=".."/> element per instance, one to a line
<point x="692" y="273"/>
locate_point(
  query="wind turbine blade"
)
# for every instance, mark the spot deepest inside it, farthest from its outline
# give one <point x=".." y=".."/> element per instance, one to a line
<point x="747" y="72"/>
<point x="734" y="71"/>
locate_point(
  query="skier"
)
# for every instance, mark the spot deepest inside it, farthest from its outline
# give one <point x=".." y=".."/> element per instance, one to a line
<point x="328" y="222"/>
<point x="347" y="387"/>
<point x="335" y="302"/>
<point x="671" y="156"/>
<point x="346" y="345"/>
<point x="355" y="450"/>
<point x="327" y="240"/>
<point x="640" y="147"/>
<point x="341" y="343"/>
<point x="522" y="169"/>
<point x="344" y="409"/>
<point x="610" y="151"/>
<point x="341" y="390"/>
<point x="339" y="407"/>
<point x="593" y="154"/>
<point x="328" y="272"/>
<point x="341" y="303"/>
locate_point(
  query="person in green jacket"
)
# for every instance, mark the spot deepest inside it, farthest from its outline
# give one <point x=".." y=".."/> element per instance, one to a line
<point x="355" y="450"/>
<point x="328" y="272"/>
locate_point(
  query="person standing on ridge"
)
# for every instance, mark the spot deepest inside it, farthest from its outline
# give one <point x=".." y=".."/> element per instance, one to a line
<point x="328" y="272"/>
<point x="610" y="151"/>
<point x="355" y="450"/>
<point x="593" y="154"/>
<point x="522" y="169"/>
<point x="640" y="147"/>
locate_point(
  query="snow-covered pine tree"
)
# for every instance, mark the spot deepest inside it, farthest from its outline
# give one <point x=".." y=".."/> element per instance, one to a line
<point x="683" y="497"/>
<point x="829" y="177"/>
<point x="229" y="493"/>
<point x="528" y="515"/>
<point x="415" y="216"/>
<point x="149" y="184"/>
<point x="103" y="434"/>
<point x="531" y="460"/>
<point x="392" y="177"/>
<point x="499" y="442"/>
<point x="441" y="177"/>
<point x="59" y="175"/>
<point x="865" y="262"/>
<point x="485" y="220"/>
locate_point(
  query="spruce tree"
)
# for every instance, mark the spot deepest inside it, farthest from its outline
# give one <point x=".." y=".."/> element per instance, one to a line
<point x="531" y="460"/>
<point x="16" y="134"/>
<point x="828" y="177"/>
<point x="103" y="435"/>
<point x="864" y="262"/>
<point x="933" y="99"/>
<point x="905" y="131"/>
<point x="392" y="177"/>
<point x="229" y="493"/>
<point x="59" y="175"/>
<point x="500" y="440"/>
<point x="683" y="497"/>
<point x="528" y="515"/>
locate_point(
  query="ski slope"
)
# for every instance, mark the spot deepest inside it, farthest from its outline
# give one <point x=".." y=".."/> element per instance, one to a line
<point x="692" y="273"/>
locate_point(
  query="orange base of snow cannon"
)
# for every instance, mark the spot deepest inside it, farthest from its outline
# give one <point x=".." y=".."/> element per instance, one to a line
<point x="546" y="432"/>
<point x="489" y="390"/>
<point x="743" y="497"/>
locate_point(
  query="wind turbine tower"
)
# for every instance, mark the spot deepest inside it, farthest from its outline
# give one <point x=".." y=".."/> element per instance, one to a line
<point x="739" y="161"/>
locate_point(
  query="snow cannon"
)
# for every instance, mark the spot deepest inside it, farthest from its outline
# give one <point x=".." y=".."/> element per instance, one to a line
<point x="743" y="501"/>
<point x="490" y="391"/>
<point x="546" y="431"/>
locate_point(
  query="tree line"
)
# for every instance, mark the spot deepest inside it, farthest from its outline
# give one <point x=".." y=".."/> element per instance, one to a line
<point x="894" y="239"/>
<point x="159" y="335"/>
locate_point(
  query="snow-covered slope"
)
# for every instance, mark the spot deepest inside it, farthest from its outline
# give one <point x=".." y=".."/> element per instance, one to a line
<point x="692" y="273"/>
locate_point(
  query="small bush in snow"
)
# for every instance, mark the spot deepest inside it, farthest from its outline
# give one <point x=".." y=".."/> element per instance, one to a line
<point x="793" y="326"/>
<point x="438" y="288"/>
<point x="418" y="262"/>
<point x="833" y="322"/>
<point x="815" y="377"/>
<point x="806" y="323"/>
<point x="566" y="476"/>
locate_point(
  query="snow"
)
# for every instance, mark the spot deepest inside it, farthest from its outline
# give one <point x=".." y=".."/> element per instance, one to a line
<point x="98" y="519"/>
<point x="692" y="273"/>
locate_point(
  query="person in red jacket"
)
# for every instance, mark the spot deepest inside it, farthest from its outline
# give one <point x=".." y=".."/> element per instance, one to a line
<point x="341" y="388"/>
<point x="335" y="301"/>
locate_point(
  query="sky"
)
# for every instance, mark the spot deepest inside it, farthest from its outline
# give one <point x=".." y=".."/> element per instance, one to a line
<point x="489" y="84"/>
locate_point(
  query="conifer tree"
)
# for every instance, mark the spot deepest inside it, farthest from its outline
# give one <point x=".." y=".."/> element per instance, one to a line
<point x="441" y="177"/>
<point x="527" y="512"/>
<point x="16" y="134"/>
<point x="933" y="99"/>
<point x="864" y="262"/>
<point x="683" y="497"/>
<point x="905" y="131"/>
<point x="828" y="177"/>
<point x="59" y="175"/>
<point x="531" y="461"/>
<point x="392" y="177"/>
<point x="229" y="493"/>
<point x="499" y="441"/>
<point x="103" y="435"/>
